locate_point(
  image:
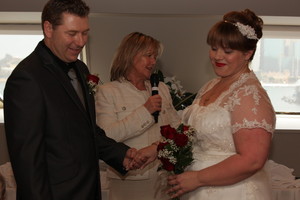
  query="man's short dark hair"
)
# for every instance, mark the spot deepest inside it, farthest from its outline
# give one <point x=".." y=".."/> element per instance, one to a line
<point x="54" y="9"/>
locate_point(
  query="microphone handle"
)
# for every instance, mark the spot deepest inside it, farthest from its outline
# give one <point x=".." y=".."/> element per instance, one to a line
<point x="154" y="91"/>
<point x="156" y="113"/>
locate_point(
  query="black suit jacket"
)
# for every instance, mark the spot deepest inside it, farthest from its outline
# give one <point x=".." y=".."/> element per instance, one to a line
<point x="54" y="143"/>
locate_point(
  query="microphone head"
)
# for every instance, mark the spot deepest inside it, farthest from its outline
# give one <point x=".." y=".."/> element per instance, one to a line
<point x="154" y="79"/>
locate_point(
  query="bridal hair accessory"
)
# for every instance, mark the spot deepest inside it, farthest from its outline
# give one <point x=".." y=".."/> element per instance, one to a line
<point x="245" y="30"/>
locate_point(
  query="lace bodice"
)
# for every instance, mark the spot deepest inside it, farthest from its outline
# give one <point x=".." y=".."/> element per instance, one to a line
<point x="244" y="105"/>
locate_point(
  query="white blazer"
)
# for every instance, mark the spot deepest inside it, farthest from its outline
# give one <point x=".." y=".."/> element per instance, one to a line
<point x="121" y="113"/>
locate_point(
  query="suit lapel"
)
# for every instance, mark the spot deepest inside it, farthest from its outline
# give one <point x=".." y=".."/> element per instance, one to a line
<point x="89" y="98"/>
<point x="65" y="82"/>
<point x="59" y="74"/>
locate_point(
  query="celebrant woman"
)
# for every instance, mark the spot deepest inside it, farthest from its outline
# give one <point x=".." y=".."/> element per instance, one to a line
<point x="124" y="109"/>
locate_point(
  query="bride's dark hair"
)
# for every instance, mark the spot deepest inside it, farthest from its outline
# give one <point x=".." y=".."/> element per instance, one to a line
<point x="226" y="34"/>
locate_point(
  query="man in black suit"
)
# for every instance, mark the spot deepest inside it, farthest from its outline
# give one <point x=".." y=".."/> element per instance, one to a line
<point x="53" y="140"/>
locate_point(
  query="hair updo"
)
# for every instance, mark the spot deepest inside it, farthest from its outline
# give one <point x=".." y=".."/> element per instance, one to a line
<point x="226" y="34"/>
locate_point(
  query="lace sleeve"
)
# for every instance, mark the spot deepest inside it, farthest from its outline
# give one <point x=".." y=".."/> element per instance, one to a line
<point x="251" y="108"/>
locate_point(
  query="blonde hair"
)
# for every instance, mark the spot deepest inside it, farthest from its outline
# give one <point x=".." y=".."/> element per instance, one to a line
<point x="130" y="46"/>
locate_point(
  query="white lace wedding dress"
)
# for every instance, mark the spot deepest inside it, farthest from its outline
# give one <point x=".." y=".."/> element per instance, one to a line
<point x="244" y="105"/>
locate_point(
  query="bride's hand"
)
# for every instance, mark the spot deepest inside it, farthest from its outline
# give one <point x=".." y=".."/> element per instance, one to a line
<point x="183" y="183"/>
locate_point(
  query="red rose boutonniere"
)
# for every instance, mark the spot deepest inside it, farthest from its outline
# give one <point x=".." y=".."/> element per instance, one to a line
<point x="92" y="81"/>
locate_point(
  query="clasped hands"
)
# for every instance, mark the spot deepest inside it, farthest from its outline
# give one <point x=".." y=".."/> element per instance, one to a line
<point x="139" y="159"/>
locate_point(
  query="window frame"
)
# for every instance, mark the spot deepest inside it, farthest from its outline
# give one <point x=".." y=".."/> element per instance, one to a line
<point x="284" y="120"/>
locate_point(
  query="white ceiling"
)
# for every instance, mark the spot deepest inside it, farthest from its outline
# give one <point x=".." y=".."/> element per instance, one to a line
<point x="199" y="7"/>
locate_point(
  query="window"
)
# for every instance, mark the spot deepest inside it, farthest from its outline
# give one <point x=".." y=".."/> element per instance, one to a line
<point x="17" y="42"/>
<point x="14" y="49"/>
<point x="277" y="65"/>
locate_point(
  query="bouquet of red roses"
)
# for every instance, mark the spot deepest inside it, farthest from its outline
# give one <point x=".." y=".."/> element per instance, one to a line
<point x="175" y="149"/>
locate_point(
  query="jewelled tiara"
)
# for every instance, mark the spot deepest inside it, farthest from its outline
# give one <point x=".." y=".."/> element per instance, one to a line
<point x="245" y="30"/>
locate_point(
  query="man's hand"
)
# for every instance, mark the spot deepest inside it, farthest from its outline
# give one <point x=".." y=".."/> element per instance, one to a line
<point x="130" y="154"/>
<point x="145" y="156"/>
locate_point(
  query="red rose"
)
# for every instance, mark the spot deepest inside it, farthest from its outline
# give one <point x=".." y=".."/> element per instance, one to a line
<point x="185" y="128"/>
<point x="168" y="132"/>
<point x="161" y="145"/>
<point x="181" y="140"/>
<point x="93" y="78"/>
<point x="167" y="165"/>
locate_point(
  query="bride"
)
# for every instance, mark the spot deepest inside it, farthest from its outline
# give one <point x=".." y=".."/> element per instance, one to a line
<point x="233" y="117"/>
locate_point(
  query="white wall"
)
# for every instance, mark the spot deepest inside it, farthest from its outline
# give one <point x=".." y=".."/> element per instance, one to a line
<point x="184" y="38"/>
